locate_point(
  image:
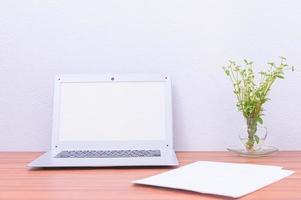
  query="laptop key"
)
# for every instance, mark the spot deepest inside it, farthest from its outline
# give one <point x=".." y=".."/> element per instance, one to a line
<point x="108" y="154"/>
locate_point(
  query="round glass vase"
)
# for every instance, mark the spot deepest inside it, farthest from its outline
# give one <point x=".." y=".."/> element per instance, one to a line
<point x="253" y="136"/>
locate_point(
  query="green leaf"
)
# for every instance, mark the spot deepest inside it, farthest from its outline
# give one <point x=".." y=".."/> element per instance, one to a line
<point x="227" y="72"/>
<point x="256" y="138"/>
<point x="259" y="119"/>
<point x="232" y="62"/>
<point x="265" y="100"/>
<point x="280" y="76"/>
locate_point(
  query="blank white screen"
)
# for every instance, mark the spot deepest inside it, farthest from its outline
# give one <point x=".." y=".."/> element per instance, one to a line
<point x="104" y="111"/>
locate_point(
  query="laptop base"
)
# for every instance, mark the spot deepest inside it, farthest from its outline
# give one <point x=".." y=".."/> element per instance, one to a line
<point x="48" y="160"/>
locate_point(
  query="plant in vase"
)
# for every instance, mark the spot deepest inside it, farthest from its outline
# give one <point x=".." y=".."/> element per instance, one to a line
<point x="252" y="93"/>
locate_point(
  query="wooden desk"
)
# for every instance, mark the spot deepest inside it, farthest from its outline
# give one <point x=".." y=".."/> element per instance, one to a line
<point x="18" y="182"/>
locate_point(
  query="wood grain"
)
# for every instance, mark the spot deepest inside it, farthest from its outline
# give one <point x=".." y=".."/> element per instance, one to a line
<point x="17" y="181"/>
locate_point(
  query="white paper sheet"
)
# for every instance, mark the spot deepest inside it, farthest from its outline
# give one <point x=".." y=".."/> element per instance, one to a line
<point x="227" y="179"/>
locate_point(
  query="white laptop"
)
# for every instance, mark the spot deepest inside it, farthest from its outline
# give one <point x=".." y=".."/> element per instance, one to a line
<point x="111" y="120"/>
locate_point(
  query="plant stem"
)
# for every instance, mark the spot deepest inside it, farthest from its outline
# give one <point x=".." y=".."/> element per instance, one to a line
<point x="252" y="128"/>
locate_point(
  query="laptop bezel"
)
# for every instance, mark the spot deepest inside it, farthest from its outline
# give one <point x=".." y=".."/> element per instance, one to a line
<point x="109" y="145"/>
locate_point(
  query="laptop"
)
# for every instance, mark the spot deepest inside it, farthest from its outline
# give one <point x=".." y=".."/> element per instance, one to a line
<point x="111" y="120"/>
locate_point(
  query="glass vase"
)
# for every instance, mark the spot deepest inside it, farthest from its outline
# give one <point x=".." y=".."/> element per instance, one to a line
<point x="253" y="136"/>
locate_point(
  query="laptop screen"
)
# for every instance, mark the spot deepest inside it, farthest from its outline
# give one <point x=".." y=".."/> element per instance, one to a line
<point x="106" y="111"/>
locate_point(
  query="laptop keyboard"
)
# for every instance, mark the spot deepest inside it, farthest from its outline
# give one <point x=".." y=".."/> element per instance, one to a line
<point x="109" y="154"/>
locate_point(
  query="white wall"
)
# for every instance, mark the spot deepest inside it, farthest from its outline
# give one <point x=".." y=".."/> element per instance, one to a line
<point x="189" y="39"/>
